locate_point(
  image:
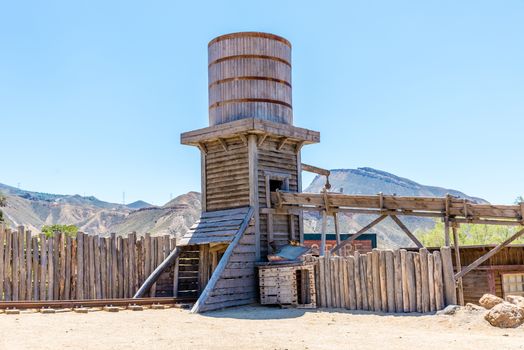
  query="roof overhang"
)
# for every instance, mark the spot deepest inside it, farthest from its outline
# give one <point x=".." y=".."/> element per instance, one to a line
<point x="249" y="126"/>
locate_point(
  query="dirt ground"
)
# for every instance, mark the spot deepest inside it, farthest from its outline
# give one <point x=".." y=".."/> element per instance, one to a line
<point x="253" y="327"/>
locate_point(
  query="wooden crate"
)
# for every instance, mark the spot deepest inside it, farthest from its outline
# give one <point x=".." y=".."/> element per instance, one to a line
<point x="287" y="285"/>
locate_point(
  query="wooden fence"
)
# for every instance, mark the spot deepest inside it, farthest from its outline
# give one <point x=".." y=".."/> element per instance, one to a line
<point x="387" y="281"/>
<point x="85" y="267"/>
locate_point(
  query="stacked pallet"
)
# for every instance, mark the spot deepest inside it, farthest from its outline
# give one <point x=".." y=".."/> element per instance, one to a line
<point x="289" y="284"/>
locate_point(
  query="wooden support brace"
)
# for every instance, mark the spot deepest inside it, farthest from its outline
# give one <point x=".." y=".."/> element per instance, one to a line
<point x="489" y="254"/>
<point x="299" y="146"/>
<point x="202" y="147"/>
<point x="282" y="143"/>
<point x="407" y="231"/>
<point x="261" y="139"/>
<point x="358" y="234"/>
<point x="223" y="144"/>
<point x="243" y="138"/>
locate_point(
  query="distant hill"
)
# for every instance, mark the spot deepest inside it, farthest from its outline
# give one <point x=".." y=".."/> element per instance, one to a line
<point x="139" y="205"/>
<point x="92" y="215"/>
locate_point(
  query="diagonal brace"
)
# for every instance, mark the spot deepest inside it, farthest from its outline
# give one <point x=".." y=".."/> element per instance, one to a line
<point x="488" y="255"/>
<point x="358" y="234"/>
<point x="407" y="231"/>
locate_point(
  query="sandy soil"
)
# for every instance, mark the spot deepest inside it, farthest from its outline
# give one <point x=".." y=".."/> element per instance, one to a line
<point x="253" y="328"/>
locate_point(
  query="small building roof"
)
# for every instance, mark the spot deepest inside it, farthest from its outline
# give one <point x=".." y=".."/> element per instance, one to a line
<point x="215" y="227"/>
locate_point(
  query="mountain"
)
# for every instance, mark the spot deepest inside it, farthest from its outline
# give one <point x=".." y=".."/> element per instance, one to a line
<point x="139" y="205"/>
<point x="371" y="181"/>
<point x="91" y="215"/>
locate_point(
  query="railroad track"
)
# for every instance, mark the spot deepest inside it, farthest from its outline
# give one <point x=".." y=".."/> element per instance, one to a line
<point x="88" y="303"/>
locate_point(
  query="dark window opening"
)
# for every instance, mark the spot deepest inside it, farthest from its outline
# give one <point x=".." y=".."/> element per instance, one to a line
<point x="276" y="185"/>
<point x="303" y="288"/>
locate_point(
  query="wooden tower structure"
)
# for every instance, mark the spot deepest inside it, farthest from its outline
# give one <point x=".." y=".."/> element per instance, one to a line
<point x="249" y="150"/>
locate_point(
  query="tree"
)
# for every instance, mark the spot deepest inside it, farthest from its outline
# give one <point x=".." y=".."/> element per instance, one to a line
<point x="3" y="203"/>
<point x="519" y="200"/>
<point x="468" y="234"/>
<point x="51" y="230"/>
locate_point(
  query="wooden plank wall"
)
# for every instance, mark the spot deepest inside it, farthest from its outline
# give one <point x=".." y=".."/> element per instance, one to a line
<point x="227" y="174"/>
<point x="84" y="267"/>
<point x="384" y="281"/>
<point x="284" y="162"/>
<point x="237" y="284"/>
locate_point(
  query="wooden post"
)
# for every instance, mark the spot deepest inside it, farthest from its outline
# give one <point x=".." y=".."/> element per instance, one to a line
<point x="405" y="295"/>
<point x="458" y="265"/>
<point x="7" y="268"/>
<point x="363" y="282"/>
<point x="323" y="234"/>
<point x="352" y="287"/>
<point x="390" y="280"/>
<point x="369" y="281"/>
<point x="418" y="281"/>
<point x="80" y="266"/>
<point x="28" y="265"/>
<point x="68" y="265"/>
<point x="383" y="281"/>
<point x="377" y="294"/>
<point x="398" y="281"/>
<point x="43" y="266"/>
<point x="431" y="280"/>
<point x="411" y="282"/>
<point x="358" y="288"/>
<point x="16" y="267"/>
<point x="35" y="274"/>
<point x="252" y="150"/>
<point x="450" y="296"/>
<point x="446" y="232"/>
<point x="439" y="285"/>
<point x="423" y="253"/>
<point x="337" y="227"/>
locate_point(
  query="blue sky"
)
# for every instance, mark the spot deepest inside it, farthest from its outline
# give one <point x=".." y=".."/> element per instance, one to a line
<point x="94" y="94"/>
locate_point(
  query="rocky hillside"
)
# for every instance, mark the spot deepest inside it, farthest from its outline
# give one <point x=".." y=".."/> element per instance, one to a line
<point x="92" y="215"/>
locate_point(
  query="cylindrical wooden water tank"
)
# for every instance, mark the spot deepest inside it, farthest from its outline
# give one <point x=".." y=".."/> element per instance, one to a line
<point x="249" y="77"/>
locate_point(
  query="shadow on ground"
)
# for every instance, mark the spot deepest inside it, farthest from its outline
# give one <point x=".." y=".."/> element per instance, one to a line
<point x="258" y="312"/>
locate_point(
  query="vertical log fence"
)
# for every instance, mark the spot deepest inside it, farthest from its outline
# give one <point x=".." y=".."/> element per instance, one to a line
<point x="387" y="281"/>
<point x="36" y="267"/>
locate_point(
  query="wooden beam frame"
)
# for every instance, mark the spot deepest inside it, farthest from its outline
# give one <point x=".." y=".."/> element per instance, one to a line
<point x="489" y="254"/>
<point x="358" y="234"/>
<point x="407" y="231"/>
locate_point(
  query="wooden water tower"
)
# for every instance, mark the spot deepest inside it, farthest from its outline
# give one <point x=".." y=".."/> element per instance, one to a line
<point x="251" y="147"/>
